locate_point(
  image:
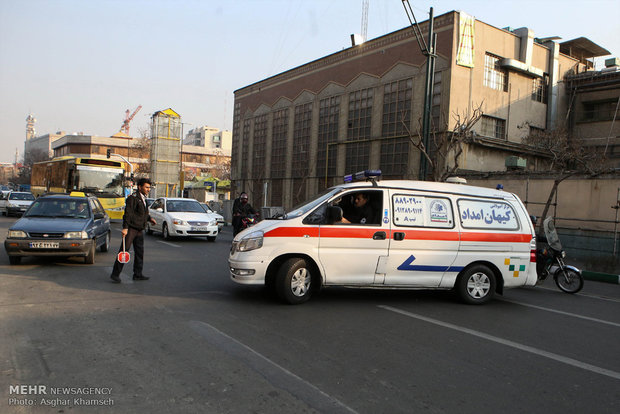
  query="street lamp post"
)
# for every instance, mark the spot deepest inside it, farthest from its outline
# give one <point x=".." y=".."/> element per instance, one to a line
<point x="181" y="171"/>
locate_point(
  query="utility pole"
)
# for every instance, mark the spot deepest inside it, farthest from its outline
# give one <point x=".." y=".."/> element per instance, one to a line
<point x="430" y="53"/>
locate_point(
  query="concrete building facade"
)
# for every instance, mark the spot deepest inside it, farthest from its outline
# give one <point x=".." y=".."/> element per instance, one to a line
<point x="195" y="161"/>
<point x="42" y="144"/>
<point x="211" y="138"/>
<point x="302" y="130"/>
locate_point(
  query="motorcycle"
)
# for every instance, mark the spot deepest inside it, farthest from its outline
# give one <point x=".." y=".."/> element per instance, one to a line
<point x="550" y="261"/>
<point x="248" y="221"/>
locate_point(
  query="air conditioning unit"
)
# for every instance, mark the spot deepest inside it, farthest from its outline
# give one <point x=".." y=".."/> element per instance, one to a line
<point x="611" y="62"/>
<point x="515" y="163"/>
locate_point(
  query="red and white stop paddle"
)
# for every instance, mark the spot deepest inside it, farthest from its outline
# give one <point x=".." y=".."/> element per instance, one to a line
<point x="123" y="257"/>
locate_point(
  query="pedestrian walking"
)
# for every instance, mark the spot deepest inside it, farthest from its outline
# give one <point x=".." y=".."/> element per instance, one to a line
<point x="134" y="220"/>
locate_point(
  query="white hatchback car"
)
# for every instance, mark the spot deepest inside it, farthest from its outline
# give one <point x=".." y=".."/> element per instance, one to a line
<point x="182" y="217"/>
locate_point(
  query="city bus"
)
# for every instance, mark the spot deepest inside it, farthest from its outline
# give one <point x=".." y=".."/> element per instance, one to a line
<point x="102" y="178"/>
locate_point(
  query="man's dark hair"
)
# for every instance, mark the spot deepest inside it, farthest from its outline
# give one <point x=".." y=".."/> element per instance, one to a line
<point x="143" y="181"/>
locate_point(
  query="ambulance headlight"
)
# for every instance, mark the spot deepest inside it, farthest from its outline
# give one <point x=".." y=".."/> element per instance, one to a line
<point x="251" y="241"/>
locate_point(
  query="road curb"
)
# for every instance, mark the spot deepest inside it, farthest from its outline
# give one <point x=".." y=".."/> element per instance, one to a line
<point x="601" y="277"/>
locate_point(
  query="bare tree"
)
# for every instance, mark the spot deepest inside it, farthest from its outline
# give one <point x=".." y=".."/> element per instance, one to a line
<point x="141" y="148"/>
<point x="567" y="157"/>
<point x="32" y="156"/>
<point x="446" y="146"/>
<point x="222" y="164"/>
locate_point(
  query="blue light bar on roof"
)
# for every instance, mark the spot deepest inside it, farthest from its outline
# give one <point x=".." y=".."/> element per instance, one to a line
<point x="362" y="175"/>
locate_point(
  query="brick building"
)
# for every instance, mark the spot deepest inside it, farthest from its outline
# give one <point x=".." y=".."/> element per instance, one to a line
<point x="300" y="131"/>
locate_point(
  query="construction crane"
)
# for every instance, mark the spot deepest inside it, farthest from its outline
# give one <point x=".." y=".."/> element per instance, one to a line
<point x="365" y="20"/>
<point x="128" y="118"/>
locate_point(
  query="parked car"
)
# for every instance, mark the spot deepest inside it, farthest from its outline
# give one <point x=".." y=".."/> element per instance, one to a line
<point x="218" y="217"/>
<point x="182" y="217"/>
<point x="60" y="225"/>
<point x="15" y="202"/>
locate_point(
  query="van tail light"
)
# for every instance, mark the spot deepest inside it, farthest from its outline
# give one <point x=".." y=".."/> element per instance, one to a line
<point x="532" y="256"/>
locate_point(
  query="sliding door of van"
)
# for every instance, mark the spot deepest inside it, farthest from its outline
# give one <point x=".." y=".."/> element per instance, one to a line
<point x="424" y="240"/>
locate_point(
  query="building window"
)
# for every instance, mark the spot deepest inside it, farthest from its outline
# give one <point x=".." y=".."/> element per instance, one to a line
<point x="539" y="89"/>
<point x="245" y="144"/>
<point x="360" y="114"/>
<point x="259" y="143"/>
<point x="597" y="111"/>
<point x="536" y="131"/>
<point x="329" y="116"/>
<point x="301" y="139"/>
<point x="278" y="144"/>
<point x="276" y="193"/>
<point x="236" y="138"/>
<point x="360" y="117"/>
<point x="396" y="118"/>
<point x="493" y="127"/>
<point x="494" y="76"/>
<point x="397" y="107"/>
<point x="394" y="157"/>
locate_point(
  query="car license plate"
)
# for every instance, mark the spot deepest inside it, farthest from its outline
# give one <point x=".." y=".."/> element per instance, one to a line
<point x="200" y="229"/>
<point x="44" y="245"/>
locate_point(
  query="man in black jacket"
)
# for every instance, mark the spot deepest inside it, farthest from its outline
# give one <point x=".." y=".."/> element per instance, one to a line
<point x="134" y="220"/>
<point x="241" y="209"/>
<point x="361" y="212"/>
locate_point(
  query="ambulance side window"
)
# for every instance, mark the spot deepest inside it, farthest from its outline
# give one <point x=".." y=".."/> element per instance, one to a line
<point x="318" y="216"/>
<point x="412" y="210"/>
<point x="362" y="207"/>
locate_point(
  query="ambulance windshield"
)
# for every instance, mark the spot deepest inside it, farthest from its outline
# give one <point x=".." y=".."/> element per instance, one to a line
<point x="303" y="208"/>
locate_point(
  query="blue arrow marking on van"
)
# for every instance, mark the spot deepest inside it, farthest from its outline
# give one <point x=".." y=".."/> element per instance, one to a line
<point x="406" y="265"/>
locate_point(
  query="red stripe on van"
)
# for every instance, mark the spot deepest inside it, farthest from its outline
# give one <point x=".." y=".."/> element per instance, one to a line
<point x="293" y="232"/>
<point x="428" y="235"/>
<point x="350" y="233"/>
<point x="332" y="232"/>
<point x="496" y="237"/>
<point x="364" y="233"/>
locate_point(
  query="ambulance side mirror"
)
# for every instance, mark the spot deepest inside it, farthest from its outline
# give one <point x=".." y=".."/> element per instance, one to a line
<point x="334" y="214"/>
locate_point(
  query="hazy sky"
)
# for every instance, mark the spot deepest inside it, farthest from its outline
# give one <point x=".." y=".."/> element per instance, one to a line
<point x="77" y="65"/>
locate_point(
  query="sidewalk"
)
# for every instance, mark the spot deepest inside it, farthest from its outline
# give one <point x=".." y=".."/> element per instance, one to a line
<point x="597" y="269"/>
<point x="601" y="277"/>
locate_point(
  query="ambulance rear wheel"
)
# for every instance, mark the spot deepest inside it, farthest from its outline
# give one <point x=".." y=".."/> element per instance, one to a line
<point x="294" y="281"/>
<point x="476" y="285"/>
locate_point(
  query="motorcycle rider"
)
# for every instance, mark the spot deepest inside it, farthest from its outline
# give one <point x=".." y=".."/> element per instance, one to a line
<point x="241" y="210"/>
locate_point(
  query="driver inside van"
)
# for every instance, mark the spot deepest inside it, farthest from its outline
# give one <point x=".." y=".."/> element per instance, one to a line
<point x="361" y="212"/>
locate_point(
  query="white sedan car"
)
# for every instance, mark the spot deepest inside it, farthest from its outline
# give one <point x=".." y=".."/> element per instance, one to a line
<point x="15" y="202"/>
<point x="218" y="217"/>
<point x="181" y="217"/>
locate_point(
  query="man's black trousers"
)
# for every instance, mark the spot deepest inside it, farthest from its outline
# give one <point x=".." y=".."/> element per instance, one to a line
<point x="135" y="237"/>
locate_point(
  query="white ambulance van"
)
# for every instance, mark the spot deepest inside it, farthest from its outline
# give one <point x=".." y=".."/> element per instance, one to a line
<point x="407" y="234"/>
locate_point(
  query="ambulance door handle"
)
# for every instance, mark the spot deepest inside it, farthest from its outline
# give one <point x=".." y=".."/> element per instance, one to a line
<point x="399" y="236"/>
<point x="380" y="235"/>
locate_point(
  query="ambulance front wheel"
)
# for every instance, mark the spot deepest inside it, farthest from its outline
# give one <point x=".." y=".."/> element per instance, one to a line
<point x="476" y="285"/>
<point x="294" y="281"/>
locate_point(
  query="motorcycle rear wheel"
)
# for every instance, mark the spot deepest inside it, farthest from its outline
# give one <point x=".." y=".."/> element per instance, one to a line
<point x="568" y="280"/>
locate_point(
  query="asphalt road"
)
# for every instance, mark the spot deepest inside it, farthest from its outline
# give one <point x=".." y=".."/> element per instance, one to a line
<point x="189" y="340"/>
